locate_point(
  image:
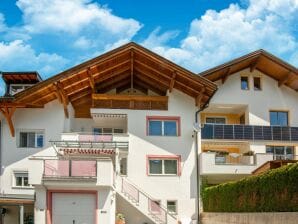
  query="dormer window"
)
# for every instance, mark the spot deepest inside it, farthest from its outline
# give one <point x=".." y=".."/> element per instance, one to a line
<point x="16" y="88"/>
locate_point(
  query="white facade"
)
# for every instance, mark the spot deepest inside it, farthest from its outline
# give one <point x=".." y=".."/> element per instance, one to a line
<point x="230" y="103"/>
<point x="179" y="188"/>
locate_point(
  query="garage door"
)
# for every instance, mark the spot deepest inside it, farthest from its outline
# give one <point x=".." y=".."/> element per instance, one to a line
<point x="73" y="208"/>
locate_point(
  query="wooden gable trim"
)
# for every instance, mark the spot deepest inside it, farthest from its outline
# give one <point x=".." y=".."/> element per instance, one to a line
<point x="226" y="74"/>
<point x="91" y="79"/>
<point x="200" y="98"/>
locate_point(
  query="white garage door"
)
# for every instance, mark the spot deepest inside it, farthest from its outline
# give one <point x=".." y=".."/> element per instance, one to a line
<point x="73" y="208"/>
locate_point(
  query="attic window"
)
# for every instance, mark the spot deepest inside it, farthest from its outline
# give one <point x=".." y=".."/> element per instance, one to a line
<point x="244" y="83"/>
<point x="257" y="83"/>
<point x="16" y="88"/>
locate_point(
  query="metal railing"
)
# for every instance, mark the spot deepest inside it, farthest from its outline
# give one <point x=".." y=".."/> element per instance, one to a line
<point x="70" y="168"/>
<point x="249" y="132"/>
<point x="154" y="208"/>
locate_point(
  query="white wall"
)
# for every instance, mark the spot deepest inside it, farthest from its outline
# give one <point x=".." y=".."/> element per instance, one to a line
<point x="271" y="97"/>
<point x="181" y="188"/>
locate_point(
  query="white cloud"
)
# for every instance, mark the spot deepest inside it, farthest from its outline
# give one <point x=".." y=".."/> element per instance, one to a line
<point x="16" y="56"/>
<point x="74" y="16"/>
<point x="220" y="36"/>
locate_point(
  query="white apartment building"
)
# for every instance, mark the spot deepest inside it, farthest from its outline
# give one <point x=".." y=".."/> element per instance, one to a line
<point x="251" y="119"/>
<point x="112" y="135"/>
<point x="130" y="132"/>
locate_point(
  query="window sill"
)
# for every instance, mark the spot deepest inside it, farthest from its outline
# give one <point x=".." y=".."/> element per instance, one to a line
<point x="163" y="175"/>
<point x="29" y="148"/>
<point x="22" y="188"/>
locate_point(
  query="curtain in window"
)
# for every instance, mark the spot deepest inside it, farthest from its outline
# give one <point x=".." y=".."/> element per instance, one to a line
<point x="170" y="166"/>
<point x="170" y="128"/>
<point x="155" y="166"/>
<point x="155" y="128"/>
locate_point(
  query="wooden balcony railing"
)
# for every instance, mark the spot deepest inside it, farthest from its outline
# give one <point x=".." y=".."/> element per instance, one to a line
<point x="135" y="102"/>
<point x="249" y="132"/>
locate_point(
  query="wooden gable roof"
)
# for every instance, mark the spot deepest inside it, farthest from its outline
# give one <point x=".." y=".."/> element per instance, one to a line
<point x="261" y="60"/>
<point x="21" y="77"/>
<point x="126" y="66"/>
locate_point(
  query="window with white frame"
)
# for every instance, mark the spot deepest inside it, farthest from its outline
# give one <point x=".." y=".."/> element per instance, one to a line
<point x="21" y="179"/>
<point x="31" y="139"/>
<point x="100" y="131"/>
<point x="215" y="120"/>
<point x="163" y="166"/>
<point x="172" y="207"/>
<point x="163" y="127"/>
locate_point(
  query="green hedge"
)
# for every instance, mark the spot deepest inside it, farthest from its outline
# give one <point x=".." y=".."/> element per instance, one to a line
<point x="273" y="191"/>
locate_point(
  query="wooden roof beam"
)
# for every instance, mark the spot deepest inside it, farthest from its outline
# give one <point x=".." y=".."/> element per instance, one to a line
<point x="254" y="64"/>
<point x="8" y="113"/>
<point x="63" y="98"/>
<point x="284" y="79"/>
<point x="172" y="83"/>
<point x="131" y="70"/>
<point x="200" y="97"/>
<point x="226" y="75"/>
<point x="91" y="80"/>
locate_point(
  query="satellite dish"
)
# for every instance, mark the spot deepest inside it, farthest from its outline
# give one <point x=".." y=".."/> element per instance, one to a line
<point x="196" y="127"/>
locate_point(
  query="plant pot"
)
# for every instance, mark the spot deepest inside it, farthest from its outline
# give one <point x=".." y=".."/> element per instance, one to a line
<point x="120" y="222"/>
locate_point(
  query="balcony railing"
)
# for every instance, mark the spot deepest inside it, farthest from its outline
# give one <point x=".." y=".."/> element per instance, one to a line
<point x="249" y="132"/>
<point x="159" y="213"/>
<point x="69" y="168"/>
<point x="232" y="160"/>
<point x="92" y="141"/>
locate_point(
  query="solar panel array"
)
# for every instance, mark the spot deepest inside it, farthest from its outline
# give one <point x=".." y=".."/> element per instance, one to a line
<point x="249" y="132"/>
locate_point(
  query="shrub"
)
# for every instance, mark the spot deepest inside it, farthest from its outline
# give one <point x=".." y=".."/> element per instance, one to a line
<point x="273" y="191"/>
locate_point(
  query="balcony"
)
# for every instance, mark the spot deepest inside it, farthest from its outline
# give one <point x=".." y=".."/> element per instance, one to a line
<point x="69" y="169"/>
<point x="89" y="143"/>
<point x="53" y="171"/>
<point x="212" y="163"/>
<point x="249" y="132"/>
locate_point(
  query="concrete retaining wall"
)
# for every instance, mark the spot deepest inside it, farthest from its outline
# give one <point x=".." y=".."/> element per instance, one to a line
<point x="250" y="218"/>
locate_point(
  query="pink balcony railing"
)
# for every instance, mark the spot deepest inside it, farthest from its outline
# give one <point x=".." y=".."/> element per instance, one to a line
<point x="95" y="138"/>
<point x="69" y="168"/>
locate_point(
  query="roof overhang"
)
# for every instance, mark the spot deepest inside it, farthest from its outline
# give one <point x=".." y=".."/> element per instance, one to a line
<point x="261" y="60"/>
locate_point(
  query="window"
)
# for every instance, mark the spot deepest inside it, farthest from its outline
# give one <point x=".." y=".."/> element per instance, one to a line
<point x="123" y="166"/>
<point x="163" y="166"/>
<point x="159" y="126"/>
<point x="244" y="83"/>
<point x="242" y="119"/>
<point x="21" y="179"/>
<point x="279" y="118"/>
<point x="16" y="88"/>
<point x="281" y="152"/>
<point x="257" y="83"/>
<point x="100" y="131"/>
<point x="215" y="120"/>
<point x="32" y="139"/>
<point x="172" y="207"/>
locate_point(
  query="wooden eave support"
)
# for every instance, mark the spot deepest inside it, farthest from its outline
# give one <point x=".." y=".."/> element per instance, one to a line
<point x="225" y="76"/>
<point x="172" y="83"/>
<point x="283" y="80"/>
<point x="91" y="80"/>
<point x="200" y="97"/>
<point x="254" y="64"/>
<point x="8" y="113"/>
<point x="62" y="97"/>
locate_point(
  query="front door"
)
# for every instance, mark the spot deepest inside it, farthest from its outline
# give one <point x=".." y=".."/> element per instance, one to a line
<point x="70" y="208"/>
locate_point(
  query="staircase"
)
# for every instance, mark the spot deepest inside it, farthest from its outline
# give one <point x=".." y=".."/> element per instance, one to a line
<point x="144" y="203"/>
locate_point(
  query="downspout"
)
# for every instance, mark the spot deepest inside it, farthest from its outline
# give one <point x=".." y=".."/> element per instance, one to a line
<point x="197" y="156"/>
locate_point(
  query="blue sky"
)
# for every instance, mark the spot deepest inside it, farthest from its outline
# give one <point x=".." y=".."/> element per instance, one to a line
<point x="52" y="35"/>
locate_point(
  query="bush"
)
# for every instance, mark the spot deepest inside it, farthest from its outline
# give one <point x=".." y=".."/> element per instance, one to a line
<point x="273" y="191"/>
